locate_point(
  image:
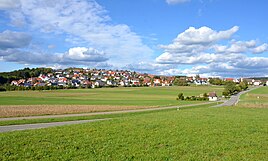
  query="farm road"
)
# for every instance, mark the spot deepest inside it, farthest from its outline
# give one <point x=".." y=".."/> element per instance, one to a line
<point x="234" y="98"/>
<point x="46" y="125"/>
<point x="43" y="125"/>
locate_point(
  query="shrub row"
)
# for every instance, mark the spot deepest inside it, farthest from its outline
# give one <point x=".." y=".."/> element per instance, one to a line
<point x="192" y="98"/>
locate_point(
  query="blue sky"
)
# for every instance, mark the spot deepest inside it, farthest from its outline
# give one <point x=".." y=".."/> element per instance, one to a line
<point x="168" y="37"/>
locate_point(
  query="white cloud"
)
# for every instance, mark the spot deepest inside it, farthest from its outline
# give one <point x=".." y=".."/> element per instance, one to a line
<point x="203" y="50"/>
<point x="12" y="39"/>
<point x="176" y="1"/>
<point x="240" y="46"/>
<point x="76" y="56"/>
<point x="260" y="49"/>
<point x="193" y="40"/>
<point x="9" y="4"/>
<point x="190" y="47"/>
<point x="203" y="35"/>
<point x="246" y="67"/>
<point x="86" y="24"/>
<point x="148" y="67"/>
<point x="86" y="21"/>
<point x="26" y="57"/>
<point x="82" y="54"/>
<point x="171" y="72"/>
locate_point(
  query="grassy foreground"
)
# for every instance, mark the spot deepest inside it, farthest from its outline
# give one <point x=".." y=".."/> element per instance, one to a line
<point x="190" y="134"/>
<point x="140" y="96"/>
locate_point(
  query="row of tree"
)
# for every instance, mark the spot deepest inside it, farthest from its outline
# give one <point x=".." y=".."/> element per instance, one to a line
<point x="180" y="82"/>
<point x="216" y="81"/>
<point x="192" y="98"/>
<point x="231" y="88"/>
<point x="8" y="77"/>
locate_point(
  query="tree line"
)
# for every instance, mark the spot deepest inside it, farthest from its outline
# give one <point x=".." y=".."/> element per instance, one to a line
<point x="8" y="77"/>
<point x="231" y="88"/>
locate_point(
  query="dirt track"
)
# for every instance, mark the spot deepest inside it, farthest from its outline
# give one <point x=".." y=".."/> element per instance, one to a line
<point x="30" y="110"/>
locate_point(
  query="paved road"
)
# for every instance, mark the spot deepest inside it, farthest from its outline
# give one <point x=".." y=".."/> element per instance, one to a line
<point x="45" y="125"/>
<point x="234" y="99"/>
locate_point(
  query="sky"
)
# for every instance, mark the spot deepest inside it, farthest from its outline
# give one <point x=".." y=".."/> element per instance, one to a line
<point x="223" y="38"/>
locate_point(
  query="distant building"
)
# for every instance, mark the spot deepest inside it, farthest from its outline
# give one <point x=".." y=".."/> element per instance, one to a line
<point x="213" y="96"/>
<point x="257" y="83"/>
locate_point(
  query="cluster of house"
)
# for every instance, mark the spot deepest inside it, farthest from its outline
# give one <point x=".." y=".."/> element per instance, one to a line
<point x="250" y="81"/>
<point x="92" y="78"/>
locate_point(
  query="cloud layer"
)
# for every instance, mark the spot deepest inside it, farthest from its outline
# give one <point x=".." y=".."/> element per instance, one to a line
<point x="89" y="37"/>
<point x="81" y="22"/>
<point x="11" y="39"/>
<point x="204" y="49"/>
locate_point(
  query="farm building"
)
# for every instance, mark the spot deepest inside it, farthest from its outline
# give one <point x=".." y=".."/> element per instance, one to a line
<point x="213" y="96"/>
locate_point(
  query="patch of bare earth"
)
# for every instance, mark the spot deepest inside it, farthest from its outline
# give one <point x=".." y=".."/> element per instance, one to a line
<point x="30" y="110"/>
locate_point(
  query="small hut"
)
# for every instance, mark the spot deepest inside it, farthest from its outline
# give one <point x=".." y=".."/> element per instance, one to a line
<point x="213" y="96"/>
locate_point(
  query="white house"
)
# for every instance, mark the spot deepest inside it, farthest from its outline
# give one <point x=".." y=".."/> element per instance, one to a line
<point x="256" y="82"/>
<point x="213" y="96"/>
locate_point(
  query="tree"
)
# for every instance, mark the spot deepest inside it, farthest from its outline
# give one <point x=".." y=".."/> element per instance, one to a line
<point x="141" y="79"/>
<point x="2" y="89"/>
<point x="243" y="85"/>
<point x="229" y="88"/>
<point x="215" y="81"/>
<point x="180" y="96"/>
<point x="180" y="82"/>
<point x="3" y="80"/>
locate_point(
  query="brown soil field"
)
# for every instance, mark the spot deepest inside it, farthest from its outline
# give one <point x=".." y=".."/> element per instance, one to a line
<point x="31" y="110"/>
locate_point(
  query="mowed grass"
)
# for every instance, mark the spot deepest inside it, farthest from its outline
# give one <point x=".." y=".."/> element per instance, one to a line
<point x="142" y="96"/>
<point x="205" y="133"/>
<point x="257" y="98"/>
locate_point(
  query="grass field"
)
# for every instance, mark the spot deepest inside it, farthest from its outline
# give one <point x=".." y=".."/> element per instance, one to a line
<point x="25" y="103"/>
<point x="257" y="98"/>
<point x="144" y="96"/>
<point x="199" y="133"/>
<point x="189" y="134"/>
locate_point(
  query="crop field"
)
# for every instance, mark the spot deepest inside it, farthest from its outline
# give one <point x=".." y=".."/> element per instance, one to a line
<point x="204" y="133"/>
<point x="23" y="103"/>
<point x="31" y="110"/>
<point x="257" y="98"/>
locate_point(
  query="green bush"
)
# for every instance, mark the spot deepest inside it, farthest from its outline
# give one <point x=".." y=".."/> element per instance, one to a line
<point x="2" y="89"/>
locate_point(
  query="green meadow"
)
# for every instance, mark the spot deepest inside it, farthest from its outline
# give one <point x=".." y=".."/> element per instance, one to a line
<point x="204" y="133"/>
<point x="190" y="133"/>
<point x="141" y="96"/>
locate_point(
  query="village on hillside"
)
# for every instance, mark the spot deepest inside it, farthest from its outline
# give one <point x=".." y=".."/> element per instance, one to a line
<point x="96" y="78"/>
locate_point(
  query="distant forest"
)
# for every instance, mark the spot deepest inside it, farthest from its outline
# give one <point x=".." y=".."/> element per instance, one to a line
<point x="8" y="77"/>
